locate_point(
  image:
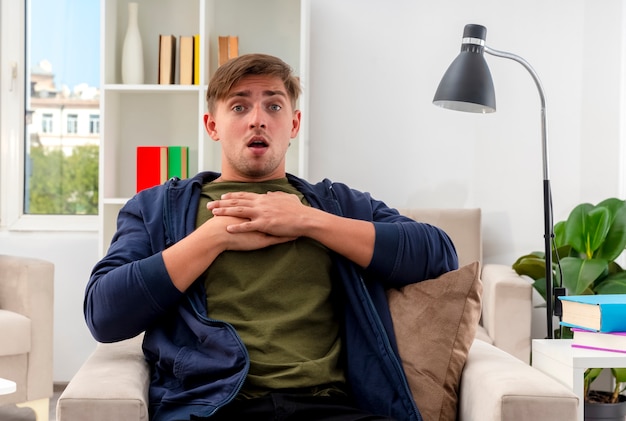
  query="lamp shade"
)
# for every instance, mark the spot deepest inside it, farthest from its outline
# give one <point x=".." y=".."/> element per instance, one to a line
<point x="467" y="84"/>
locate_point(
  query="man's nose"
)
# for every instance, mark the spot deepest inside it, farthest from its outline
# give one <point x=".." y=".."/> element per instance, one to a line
<point x="257" y="117"/>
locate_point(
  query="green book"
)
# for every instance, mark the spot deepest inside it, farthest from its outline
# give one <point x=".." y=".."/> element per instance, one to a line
<point x="178" y="161"/>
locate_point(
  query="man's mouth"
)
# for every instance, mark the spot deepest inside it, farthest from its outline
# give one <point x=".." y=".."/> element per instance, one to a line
<point x="257" y="142"/>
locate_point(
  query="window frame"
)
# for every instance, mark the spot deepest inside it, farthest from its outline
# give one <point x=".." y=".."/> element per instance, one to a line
<point x="13" y="67"/>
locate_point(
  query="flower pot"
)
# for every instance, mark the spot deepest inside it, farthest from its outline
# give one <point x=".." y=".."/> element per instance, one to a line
<point x="604" y="411"/>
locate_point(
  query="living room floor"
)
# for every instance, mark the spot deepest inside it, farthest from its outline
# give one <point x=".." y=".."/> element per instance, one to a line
<point x="13" y="413"/>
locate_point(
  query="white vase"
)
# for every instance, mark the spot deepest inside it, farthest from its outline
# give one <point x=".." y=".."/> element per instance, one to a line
<point x="132" y="51"/>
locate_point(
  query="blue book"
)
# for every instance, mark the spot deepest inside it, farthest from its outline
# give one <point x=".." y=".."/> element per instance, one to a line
<point x="600" y="313"/>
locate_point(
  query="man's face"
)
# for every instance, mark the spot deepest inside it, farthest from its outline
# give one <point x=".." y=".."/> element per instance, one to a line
<point x="255" y="124"/>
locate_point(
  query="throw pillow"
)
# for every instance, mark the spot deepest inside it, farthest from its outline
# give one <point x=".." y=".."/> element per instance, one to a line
<point x="435" y="322"/>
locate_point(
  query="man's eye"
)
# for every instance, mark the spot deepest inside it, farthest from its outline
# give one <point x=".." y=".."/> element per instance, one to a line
<point x="237" y="108"/>
<point x="275" y="107"/>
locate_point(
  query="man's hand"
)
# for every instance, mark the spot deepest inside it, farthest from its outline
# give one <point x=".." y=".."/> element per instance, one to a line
<point x="276" y="214"/>
<point x="233" y="227"/>
<point x="243" y="240"/>
<point x="282" y="215"/>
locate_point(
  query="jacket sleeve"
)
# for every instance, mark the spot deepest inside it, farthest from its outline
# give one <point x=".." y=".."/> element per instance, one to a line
<point x="130" y="287"/>
<point x="407" y="251"/>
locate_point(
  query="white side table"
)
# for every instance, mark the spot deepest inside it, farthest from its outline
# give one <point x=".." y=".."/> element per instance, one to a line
<point x="7" y="386"/>
<point x="559" y="360"/>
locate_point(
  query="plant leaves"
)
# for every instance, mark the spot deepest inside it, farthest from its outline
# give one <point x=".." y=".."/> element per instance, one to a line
<point x="559" y="234"/>
<point x="590" y="375"/>
<point x="613" y="284"/>
<point x="619" y="374"/>
<point x="586" y="228"/>
<point x="531" y="265"/>
<point x="598" y="224"/>
<point x="615" y="241"/>
<point x="576" y="227"/>
<point x="580" y="274"/>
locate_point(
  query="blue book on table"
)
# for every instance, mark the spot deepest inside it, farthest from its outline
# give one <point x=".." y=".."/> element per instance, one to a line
<point x="601" y="312"/>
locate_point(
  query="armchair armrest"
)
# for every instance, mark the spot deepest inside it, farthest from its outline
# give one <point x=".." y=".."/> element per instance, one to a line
<point x="111" y="385"/>
<point x="497" y="386"/>
<point x="507" y="309"/>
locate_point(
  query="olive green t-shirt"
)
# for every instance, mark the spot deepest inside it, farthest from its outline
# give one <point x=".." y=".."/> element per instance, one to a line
<point x="280" y="301"/>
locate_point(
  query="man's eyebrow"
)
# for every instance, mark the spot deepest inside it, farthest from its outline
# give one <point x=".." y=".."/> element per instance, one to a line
<point x="266" y="93"/>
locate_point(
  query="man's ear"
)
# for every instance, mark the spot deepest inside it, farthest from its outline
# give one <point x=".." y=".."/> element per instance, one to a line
<point x="295" y="128"/>
<point x="210" y="126"/>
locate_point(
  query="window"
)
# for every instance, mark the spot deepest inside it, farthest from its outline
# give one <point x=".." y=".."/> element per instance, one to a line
<point x="63" y="40"/>
<point x="94" y="123"/>
<point x="49" y="118"/>
<point x="72" y="123"/>
<point x="46" y="123"/>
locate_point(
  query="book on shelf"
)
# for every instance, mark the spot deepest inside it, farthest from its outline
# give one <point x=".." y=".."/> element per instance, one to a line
<point x="151" y="166"/>
<point x="167" y="59"/>
<point x="178" y="161"/>
<point x="196" y="59"/>
<point x="600" y="312"/>
<point x="185" y="60"/>
<point x="222" y="50"/>
<point x="227" y="48"/>
<point x="233" y="47"/>
<point x="609" y="341"/>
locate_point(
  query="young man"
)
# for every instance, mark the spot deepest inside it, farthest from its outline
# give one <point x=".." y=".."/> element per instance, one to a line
<point x="262" y="296"/>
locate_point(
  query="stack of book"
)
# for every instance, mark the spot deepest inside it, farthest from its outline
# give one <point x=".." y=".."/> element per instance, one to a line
<point x="597" y="321"/>
<point x="157" y="164"/>
<point x="188" y="53"/>
<point x="188" y="60"/>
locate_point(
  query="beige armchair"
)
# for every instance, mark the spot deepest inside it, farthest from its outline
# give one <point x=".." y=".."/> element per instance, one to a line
<point x="496" y="384"/>
<point x="26" y="315"/>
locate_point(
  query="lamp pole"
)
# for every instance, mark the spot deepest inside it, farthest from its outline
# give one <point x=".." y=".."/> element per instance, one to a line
<point x="547" y="194"/>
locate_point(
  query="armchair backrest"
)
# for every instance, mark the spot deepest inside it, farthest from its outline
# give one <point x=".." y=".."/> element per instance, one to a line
<point x="462" y="225"/>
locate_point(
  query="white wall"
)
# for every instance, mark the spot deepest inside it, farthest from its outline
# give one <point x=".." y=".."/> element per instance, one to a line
<point x="375" y="65"/>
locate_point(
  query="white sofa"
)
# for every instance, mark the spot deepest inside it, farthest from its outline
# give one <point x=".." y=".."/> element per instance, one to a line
<point x="497" y="383"/>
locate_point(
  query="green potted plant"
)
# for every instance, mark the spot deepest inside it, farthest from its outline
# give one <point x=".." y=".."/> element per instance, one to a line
<point x="584" y="253"/>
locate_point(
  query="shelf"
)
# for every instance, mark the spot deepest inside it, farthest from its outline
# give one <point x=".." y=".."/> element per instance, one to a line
<point x="151" y="114"/>
<point x="116" y="201"/>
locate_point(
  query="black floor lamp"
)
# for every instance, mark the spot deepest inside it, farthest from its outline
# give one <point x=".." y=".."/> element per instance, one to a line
<point x="467" y="86"/>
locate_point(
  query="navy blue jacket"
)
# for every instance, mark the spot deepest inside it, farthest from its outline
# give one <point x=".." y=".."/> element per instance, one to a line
<point x="199" y="364"/>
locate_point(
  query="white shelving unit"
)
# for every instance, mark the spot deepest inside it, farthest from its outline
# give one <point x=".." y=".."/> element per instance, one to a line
<point x="152" y="114"/>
